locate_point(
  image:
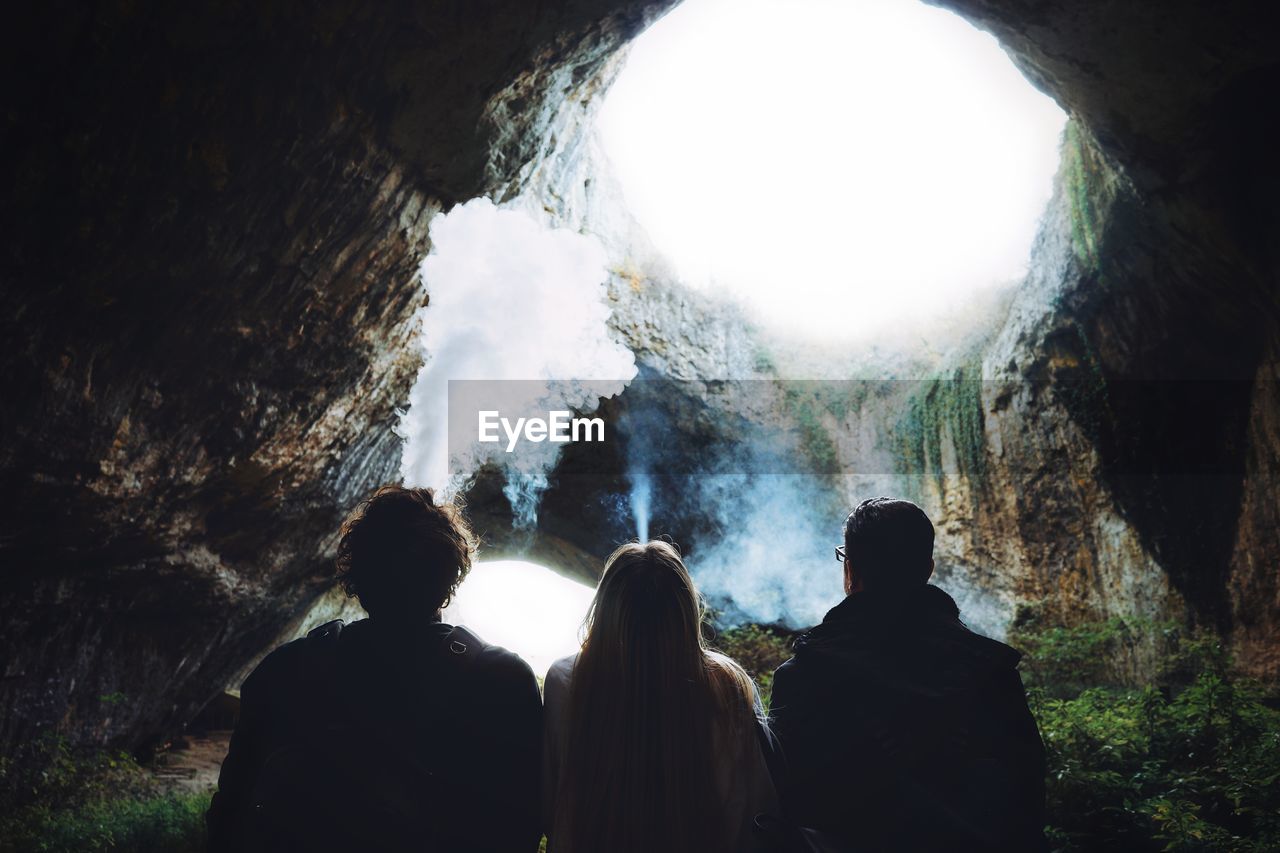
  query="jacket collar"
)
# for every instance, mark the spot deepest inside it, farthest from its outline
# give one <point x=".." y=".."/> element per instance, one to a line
<point x="879" y="611"/>
<point x="923" y="601"/>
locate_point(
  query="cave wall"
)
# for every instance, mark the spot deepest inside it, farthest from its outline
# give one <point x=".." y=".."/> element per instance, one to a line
<point x="1125" y="462"/>
<point x="1166" y="309"/>
<point x="214" y="214"/>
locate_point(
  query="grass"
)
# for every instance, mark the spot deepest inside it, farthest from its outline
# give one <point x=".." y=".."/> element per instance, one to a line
<point x="165" y="823"/>
<point x="54" y="798"/>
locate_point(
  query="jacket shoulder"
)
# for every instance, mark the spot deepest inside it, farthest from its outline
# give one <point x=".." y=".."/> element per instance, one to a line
<point x="979" y="651"/>
<point x="283" y="672"/>
<point x="496" y="662"/>
<point x="561" y="671"/>
<point x="281" y="659"/>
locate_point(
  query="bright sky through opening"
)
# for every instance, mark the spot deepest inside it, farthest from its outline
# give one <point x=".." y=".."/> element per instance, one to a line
<point x="839" y="164"/>
<point x="523" y="607"/>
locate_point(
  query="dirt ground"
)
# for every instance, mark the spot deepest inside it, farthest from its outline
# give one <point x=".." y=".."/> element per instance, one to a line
<point x="191" y="764"/>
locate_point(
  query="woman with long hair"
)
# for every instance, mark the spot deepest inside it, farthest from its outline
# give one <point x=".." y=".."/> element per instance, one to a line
<point x="651" y="738"/>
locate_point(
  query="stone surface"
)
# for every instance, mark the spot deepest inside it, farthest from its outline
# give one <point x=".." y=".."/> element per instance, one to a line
<point x="213" y="219"/>
<point x="1127" y="432"/>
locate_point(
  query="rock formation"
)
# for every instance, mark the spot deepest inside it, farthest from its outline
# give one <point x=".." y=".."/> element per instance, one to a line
<point x="214" y="214"/>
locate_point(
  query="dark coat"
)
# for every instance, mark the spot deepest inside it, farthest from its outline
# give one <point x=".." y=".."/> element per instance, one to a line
<point x="901" y="729"/>
<point x="396" y="699"/>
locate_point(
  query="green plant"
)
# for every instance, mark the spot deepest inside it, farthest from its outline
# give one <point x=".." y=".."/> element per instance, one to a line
<point x="808" y="411"/>
<point x="760" y="650"/>
<point x="1064" y="661"/>
<point x="1188" y="762"/>
<point x="164" y="823"/>
<point x="943" y="408"/>
<point x="56" y="798"/>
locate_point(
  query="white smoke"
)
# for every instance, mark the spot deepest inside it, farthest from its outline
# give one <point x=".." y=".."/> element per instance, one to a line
<point x="509" y="300"/>
<point x="641" y="500"/>
<point x="775" y="559"/>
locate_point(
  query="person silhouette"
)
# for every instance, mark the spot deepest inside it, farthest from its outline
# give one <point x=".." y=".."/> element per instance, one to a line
<point x="396" y="732"/>
<point x="652" y="740"/>
<point x="899" y="728"/>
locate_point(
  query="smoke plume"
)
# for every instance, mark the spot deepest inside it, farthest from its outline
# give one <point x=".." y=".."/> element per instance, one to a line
<point x="509" y="300"/>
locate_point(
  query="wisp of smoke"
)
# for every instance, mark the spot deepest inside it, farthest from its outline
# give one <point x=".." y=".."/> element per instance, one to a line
<point x="509" y="300"/>
<point x="757" y="523"/>
<point x="640" y="500"/>
<point x="773" y="562"/>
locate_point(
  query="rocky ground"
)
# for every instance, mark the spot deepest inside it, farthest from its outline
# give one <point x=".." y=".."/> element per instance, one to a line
<point x="191" y="764"/>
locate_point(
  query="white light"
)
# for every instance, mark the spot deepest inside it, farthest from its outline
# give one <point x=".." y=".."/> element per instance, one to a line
<point x="523" y="607"/>
<point x="839" y="163"/>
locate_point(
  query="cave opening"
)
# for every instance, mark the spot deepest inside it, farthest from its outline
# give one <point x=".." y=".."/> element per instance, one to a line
<point x="213" y="282"/>
<point x="905" y="164"/>
<point x="903" y="160"/>
<point x="528" y="608"/>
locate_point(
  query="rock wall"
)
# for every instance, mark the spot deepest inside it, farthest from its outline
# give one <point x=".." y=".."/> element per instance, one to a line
<point x="1121" y="438"/>
<point x="213" y="218"/>
<point x="1167" y="305"/>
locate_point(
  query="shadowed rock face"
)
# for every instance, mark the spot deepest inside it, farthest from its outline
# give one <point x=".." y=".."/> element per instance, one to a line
<point x="214" y="215"/>
<point x="214" y="218"/>
<point x="1168" y="299"/>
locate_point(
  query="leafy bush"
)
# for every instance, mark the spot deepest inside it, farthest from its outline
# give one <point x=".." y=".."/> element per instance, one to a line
<point x="165" y="823"/>
<point x="760" y="650"/>
<point x="54" y="798"/>
<point x="1065" y="661"/>
<point x="1190" y="762"/>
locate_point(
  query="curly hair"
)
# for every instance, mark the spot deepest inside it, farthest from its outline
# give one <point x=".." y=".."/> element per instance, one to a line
<point x="403" y="552"/>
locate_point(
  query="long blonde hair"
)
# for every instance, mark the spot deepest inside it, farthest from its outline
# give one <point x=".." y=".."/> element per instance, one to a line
<point x="638" y="765"/>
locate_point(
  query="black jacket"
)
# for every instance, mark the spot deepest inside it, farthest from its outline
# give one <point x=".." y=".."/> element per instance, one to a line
<point x="901" y="729"/>
<point x="395" y="698"/>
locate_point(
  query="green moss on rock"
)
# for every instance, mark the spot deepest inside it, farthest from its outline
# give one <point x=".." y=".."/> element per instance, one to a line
<point x="944" y="409"/>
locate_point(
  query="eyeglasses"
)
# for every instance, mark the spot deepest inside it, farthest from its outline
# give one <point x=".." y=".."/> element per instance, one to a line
<point x="840" y="557"/>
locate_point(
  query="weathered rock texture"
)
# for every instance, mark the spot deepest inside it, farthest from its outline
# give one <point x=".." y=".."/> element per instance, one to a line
<point x="213" y="218"/>
<point x="1166" y="311"/>
<point x="1106" y="448"/>
<point x="213" y="214"/>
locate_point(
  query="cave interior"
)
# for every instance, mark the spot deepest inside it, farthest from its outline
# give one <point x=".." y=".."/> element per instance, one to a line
<point x="215" y="219"/>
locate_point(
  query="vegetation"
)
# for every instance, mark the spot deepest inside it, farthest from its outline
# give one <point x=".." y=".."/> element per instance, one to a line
<point x="54" y="798"/>
<point x="941" y="407"/>
<point x="1189" y="761"/>
<point x="1086" y="183"/>
<point x="760" y="650"/>
<point x="810" y="404"/>
<point x="1063" y="662"/>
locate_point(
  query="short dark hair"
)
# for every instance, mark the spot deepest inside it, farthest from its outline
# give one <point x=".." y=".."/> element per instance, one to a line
<point x="402" y="551"/>
<point x="890" y="543"/>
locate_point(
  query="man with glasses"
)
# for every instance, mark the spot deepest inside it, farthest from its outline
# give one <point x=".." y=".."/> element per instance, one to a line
<point x="901" y="729"/>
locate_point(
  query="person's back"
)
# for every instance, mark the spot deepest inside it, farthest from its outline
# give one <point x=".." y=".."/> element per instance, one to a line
<point x="652" y="741"/>
<point x="900" y="728"/>
<point x="397" y="731"/>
